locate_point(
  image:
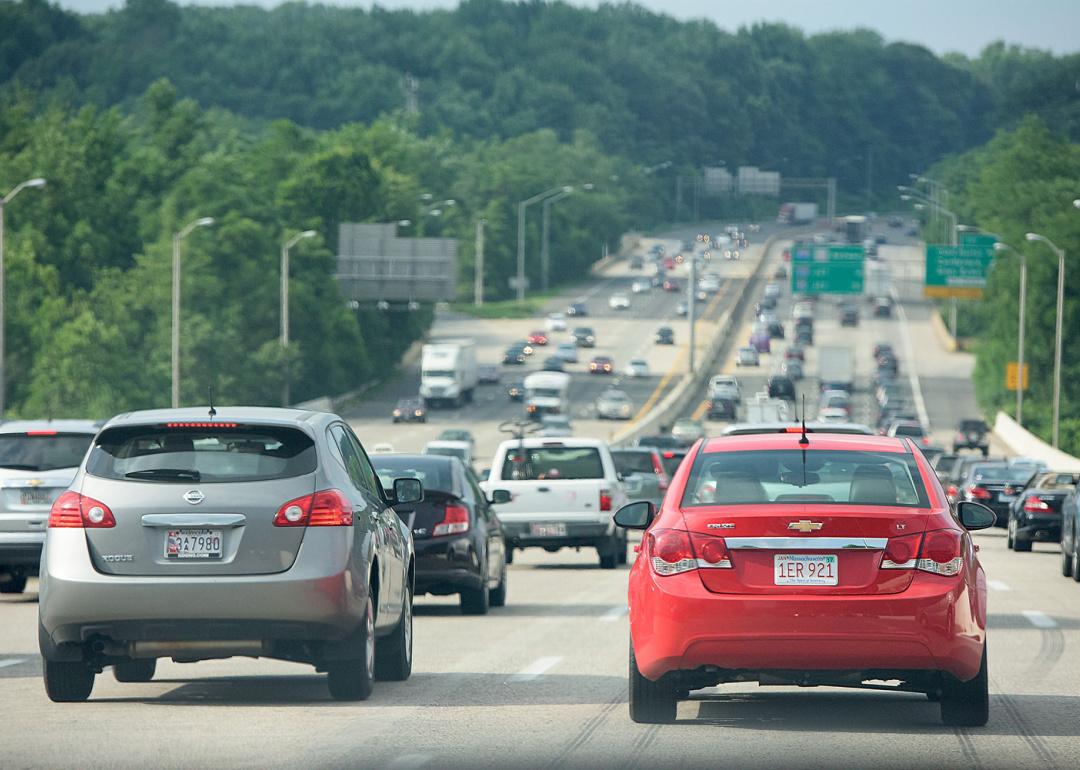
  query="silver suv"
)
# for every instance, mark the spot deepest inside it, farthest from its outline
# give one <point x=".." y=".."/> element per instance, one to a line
<point x="250" y="531"/>
<point x="38" y="460"/>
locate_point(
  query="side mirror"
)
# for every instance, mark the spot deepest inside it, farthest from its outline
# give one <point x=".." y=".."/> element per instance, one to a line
<point x="637" y="515"/>
<point x="408" y="490"/>
<point x="975" y="515"/>
<point x="500" y="496"/>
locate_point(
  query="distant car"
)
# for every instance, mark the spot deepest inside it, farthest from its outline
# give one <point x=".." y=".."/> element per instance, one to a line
<point x="514" y="355"/>
<point x="515" y="391"/>
<point x="619" y="302"/>
<point x="640" y="286"/>
<point x="538" y="338"/>
<point x="567" y="351"/>
<point x="688" y="430"/>
<point x="644" y="463"/>
<point x="780" y="272"/>
<point x="577" y="309"/>
<point x="636" y="263"/>
<point x="721" y="407"/>
<point x="670" y="284"/>
<point x="895" y="221"/>
<point x="793" y="368"/>
<point x="747" y="356"/>
<point x="638" y="367"/>
<point x="881" y="238"/>
<point x="972" y="434"/>
<point x="761" y="341"/>
<point x="882" y="307"/>
<point x="725" y="383"/>
<point x="870" y="247"/>
<point x="669" y="263"/>
<point x="409" y="410"/>
<point x="556" y="322"/>
<point x="775" y="329"/>
<point x="555" y="426"/>
<point x="773" y="290"/>
<point x="1036" y="513"/>
<point x="910" y="429"/>
<point x="458" y="434"/>
<point x="804" y="335"/>
<point x="583" y="337"/>
<point x="709" y="285"/>
<point x="487" y="374"/>
<point x="765" y="303"/>
<point x="463" y="450"/>
<point x="836" y="399"/>
<point x="682" y="309"/>
<point x="382" y="448"/>
<point x="781" y="386"/>
<point x="795" y="353"/>
<point x="849" y="315"/>
<point x="665" y="335"/>
<point x="601" y="365"/>
<point x="614" y="405"/>
<point x="38" y="460"/>
<point x="830" y="415"/>
<point x="554" y="364"/>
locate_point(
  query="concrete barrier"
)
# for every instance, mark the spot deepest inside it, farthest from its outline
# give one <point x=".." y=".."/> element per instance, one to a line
<point x="1027" y="444"/>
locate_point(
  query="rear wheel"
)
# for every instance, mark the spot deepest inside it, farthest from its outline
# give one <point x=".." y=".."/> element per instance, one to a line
<point x="609" y="553"/>
<point x="393" y="658"/>
<point x="474" y="601"/>
<point x="509" y="554"/>
<point x="650" y="702"/>
<point x="497" y="595"/>
<point x="351" y="679"/>
<point x="1076" y="558"/>
<point x="1009" y="539"/>
<point x="141" y="670"/>
<point x="1066" y="562"/>
<point x="15" y="584"/>
<point x="1021" y="544"/>
<point x="967" y="704"/>
<point x="620" y="552"/>
<point x="68" y="682"/>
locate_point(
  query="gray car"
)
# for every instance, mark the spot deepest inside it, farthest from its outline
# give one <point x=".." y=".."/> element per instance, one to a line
<point x="251" y="531"/>
<point x="38" y="460"/>
<point x="646" y="465"/>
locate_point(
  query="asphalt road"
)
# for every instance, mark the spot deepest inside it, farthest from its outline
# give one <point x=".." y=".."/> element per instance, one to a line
<point x="542" y="681"/>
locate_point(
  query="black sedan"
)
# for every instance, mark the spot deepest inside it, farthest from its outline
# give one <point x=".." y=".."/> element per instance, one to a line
<point x="514" y="355"/>
<point x="577" y="309"/>
<point x="409" y="410"/>
<point x="665" y="336"/>
<point x="1035" y="514"/>
<point x="458" y="539"/>
<point x="1070" y="536"/>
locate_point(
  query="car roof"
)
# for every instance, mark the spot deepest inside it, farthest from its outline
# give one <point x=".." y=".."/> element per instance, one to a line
<point x="60" y="426"/>
<point x="824" y="441"/>
<point x="268" y="415"/>
<point x="838" y="428"/>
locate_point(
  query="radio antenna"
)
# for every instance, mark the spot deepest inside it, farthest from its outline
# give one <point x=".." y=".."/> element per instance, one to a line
<point x="803" y="440"/>
<point x="210" y="397"/>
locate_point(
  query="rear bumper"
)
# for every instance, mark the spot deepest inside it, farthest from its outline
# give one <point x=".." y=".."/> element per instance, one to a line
<point x="446" y="566"/>
<point x="21" y="549"/>
<point x="518" y="535"/>
<point x="678" y="625"/>
<point x="1043" y="528"/>
<point x="319" y="597"/>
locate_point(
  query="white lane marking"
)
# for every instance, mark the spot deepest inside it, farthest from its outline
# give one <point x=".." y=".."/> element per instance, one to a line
<point x="998" y="585"/>
<point x="613" y="614"/>
<point x="11" y="662"/>
<point x="1039" y="619"/>
<point x="909" y="351"/>
<point x="411" y="761"/>
<point x="536" y="669"/>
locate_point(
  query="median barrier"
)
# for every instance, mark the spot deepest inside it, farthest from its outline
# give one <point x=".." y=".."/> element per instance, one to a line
<point x="1027" y="444"/>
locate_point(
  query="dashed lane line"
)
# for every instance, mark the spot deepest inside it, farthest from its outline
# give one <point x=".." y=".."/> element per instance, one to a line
<point x="11" y="662"/>
<point x="1039" y="619"/>
<point x="909" y="351"/>
<point x="536" y="669"/>
<point x="411" y="761"/>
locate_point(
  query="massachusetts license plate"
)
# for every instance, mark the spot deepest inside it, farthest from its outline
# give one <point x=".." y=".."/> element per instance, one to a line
<point x="548" y="529"/>
<point x="193" y="544"/>
<point x="801" y="569"/>
<point x="35" y="496"/>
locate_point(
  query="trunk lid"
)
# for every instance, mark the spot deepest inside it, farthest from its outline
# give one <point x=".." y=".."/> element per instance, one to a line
<point x="757" y="535"/>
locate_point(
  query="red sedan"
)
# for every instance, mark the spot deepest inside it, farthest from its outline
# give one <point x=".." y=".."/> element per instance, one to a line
<point x="538" y="338"/>
<point x="671" y="284"/>
<point x="813" y="559"/>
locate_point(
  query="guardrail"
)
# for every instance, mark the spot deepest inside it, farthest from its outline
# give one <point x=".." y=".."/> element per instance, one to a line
<point x="1027" y="444"/>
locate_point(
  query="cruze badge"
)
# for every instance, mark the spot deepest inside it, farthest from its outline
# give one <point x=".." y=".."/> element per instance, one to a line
<point x="724" y="525"/>
<point x="805" y="525"/>
<point x="194" y="496"/>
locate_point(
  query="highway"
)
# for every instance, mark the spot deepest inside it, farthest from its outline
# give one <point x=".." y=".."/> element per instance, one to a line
<point x="542" y="682"/>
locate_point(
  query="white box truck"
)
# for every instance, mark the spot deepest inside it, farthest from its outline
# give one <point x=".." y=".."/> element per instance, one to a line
<point x="836" y="368"/>
<point x="797" y="213"/>
<point x="545" y="393"/>
<point x="448" y="372"/>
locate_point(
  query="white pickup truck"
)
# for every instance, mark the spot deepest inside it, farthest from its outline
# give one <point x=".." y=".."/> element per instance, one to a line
<point x="564" y="493"/>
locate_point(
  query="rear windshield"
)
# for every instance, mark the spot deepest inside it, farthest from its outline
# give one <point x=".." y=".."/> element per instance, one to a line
<point x="20" y="451"/>
<point x="908" y="430"/>
<point x="551" y="463"/>
<point x="446" y="451"/>
<point x="946" y="464"/>
<point x="973" y="425"/>
<point x="795" y="477"/>
<point x="434" y="474"/>
<point x="208" y="455"/>
<point x="633" y="462"/>
<point x="671" y="461"/>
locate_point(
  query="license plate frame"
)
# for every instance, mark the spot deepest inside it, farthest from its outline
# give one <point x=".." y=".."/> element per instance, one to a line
<point x="35" y="496"/>
<point x="547" y="529"/>
<point x="180" y="544"/>
<point x="806" y="569"/>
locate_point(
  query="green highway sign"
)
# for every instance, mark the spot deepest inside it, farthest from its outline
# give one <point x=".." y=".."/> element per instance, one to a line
<point x="827" y="268"/>
<point x="959" y="271"/>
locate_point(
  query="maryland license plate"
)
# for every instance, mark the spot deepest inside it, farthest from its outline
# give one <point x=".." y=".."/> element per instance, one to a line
<point x="35" y="496"/>
<point x="800" y="569"/>
<point x="193" y="544"/>
<point x="552" y="529"/>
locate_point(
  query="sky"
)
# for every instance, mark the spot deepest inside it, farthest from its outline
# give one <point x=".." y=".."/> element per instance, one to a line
<point x="940" y="25"/>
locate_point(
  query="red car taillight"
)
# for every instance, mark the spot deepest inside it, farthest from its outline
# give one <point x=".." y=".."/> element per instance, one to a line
<point x="605" y="500"/>
<point x="673" y="551"/>
<point x="941" y="552"/>
<point x="978" y="493"/>
<point x="72" y="510"/>
<point x="455" y="521"/>
<point x="901" y="552"/>
<point x="328" y="508"/>
<point x="1035" y="504"/>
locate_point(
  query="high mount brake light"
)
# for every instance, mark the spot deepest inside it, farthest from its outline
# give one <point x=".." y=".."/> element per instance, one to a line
<point x="41" y="433"/>
<point x="201" y="425"/>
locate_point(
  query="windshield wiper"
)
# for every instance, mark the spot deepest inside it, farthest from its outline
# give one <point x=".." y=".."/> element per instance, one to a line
<point x="165" y="473"/>
<point x="20" y="466"/>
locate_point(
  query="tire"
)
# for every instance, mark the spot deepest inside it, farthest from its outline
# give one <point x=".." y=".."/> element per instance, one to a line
<point x="1009" y="542"/>
<point x="1021" y="545"/>
<point x="497" y="595"/>
<point x="352" y="679"/>
<point x="13" y="585"/>
<point x="651" y="703"/>
<point x="393" y="657"/>
<point x="620" y="552"/>
<point x="474" y="601"/>
<point x="141" y="670"/>
<point x="1076" y="558"/>
<point x="509" y="554"/>
<point x="985" y="451"/>
<point x="68" y="682"/>
<point x="1066" y="562"/>
<point x="609" y="553"/>
<point x="967" y="704"/>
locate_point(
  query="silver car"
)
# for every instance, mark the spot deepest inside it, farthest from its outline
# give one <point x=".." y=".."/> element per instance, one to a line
<point x="38" y="460"/>
<point x="192" y="535"/>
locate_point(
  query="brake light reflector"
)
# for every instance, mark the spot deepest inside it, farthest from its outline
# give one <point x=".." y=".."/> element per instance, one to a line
<point x="978" y="493"/>
<point x="605" y="499"/>
<point x="711" y="551"/>
<point x="901" y="552"/>
<point x="941" y="552"/>
<point x="455" y="521"/>
<point x="328" y="508"/>
<point x="72" y="510"/>
<point x="670" y="551"/>
<point x="1036" y="504"/>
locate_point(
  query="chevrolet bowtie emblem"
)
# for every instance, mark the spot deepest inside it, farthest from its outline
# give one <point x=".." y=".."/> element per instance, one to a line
<point x="805" y="525"/>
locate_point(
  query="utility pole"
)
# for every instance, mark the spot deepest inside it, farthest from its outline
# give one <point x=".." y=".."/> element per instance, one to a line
<point x="478" y="276"/>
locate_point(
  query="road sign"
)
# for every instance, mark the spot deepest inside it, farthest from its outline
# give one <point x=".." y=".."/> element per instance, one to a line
<point x="1012" y="371"/>
<point x="959" y="271"/>
<point x="827" y="268"/>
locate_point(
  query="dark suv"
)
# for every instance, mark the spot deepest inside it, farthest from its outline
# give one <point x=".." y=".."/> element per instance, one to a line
<point x="781" y="386"/>
<point x="972" y="434"/>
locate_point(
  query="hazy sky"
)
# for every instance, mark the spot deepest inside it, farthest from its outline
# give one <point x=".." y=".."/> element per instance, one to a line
<point x="941" y="25"/>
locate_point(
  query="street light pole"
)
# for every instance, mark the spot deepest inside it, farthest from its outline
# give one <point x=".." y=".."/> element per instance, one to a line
<point x="36" y="182"/>
<point x="177" y="237"/>
<point x="285" y="386"/>
<point x="1031" y="237"/>
<point x="478" y="277"/>
<point x="521" y="234"/>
